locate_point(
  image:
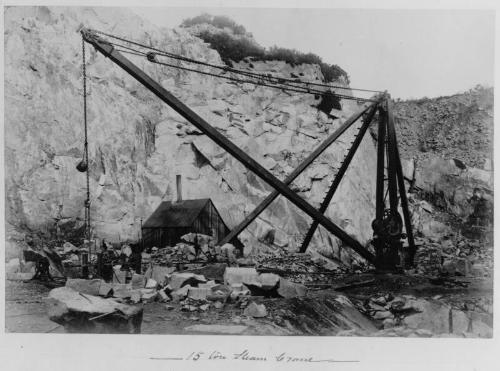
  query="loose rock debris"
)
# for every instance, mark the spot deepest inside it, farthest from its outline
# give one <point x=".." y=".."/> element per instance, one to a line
<point x="283" y="293"/>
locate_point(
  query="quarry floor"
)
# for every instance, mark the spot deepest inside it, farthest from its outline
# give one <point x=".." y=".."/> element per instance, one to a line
<point x="25" y="310"/>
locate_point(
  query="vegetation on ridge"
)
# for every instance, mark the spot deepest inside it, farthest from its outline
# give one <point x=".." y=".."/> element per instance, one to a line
<point x="239" y="46"/>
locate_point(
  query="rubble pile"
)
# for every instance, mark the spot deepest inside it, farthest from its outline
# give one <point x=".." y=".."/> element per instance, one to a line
<point x="197" y="248"/>
<point x="407" y="315"/>
<point x="454" y="257"/>
<point x="71" y="257"/>
<point x="189" y="292"/>
<point x="300" y="267"/>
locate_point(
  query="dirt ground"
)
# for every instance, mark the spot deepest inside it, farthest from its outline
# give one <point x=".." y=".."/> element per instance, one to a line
<point x="25" y="310"/>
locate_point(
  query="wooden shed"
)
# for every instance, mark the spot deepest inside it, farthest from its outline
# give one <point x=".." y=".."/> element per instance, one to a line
<point x="171" y="220"/>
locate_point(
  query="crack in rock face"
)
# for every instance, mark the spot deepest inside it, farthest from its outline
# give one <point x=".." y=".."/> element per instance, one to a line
<point x="137" y="144"/>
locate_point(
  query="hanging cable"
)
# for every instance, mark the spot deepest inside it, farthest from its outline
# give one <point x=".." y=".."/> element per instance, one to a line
<point x="86" y="145"/>
<point x="276" y="85"/>
<point x="227" y="68"/>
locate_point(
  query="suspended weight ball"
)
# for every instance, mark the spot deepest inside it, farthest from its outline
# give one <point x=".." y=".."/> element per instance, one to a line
<point x="82" y="166"/>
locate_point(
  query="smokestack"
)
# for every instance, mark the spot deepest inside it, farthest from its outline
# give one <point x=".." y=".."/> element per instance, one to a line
<point x="178" y="179"/>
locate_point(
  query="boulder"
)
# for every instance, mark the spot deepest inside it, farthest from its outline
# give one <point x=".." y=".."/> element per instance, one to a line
<point x="13" y="266"/>
<point x="264" y="285"/>
<point x="163" y="296"/>
<point x="246" y="262"/>
<point x="287" y="289"/>
<point x="433" y="316"/>
<point x="119" y="276"/>
<point x="126" y="250"/>
<point x="68" y="247"/>
<point x="213" y="271"/>
<point x="28" y="267"/>
<point x="201" y="239"/>
<point x="135" y="297"/>
<point x="382" y="315"/>
<point x="459" y="323"/>
<point x="268" y="281"/>
<point x="178" y="280"/>
<point x="137" y="281"/>
<point x="240" y="275"/>
<point x="122" y="290"/>
<point x="20" y="276"/>
<point x="219" y="293"/>
<point x="149" y="297"/>
<point x="159" y="273"/>
<point x="235" y="294"/>
<point x="218" y="305"/>
<point x="207" y="285"/>
<point x="90" y="287"/>
<point x="388" y="322"/>
<point x="255" y="310"/>
<point x="449" y="267"/>
<point x="82" y="313"/>
<point x="198" y="293"/>
<point x="228" y="249"/>
<point x="463" y="267"/>
<point x="105" y="289"/>
<point x="180" y="294"/>
<point x="478" y="270"/>
<point x="151" y="284"/>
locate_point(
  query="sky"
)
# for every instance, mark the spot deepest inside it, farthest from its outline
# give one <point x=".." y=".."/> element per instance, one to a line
<point x="409" y="53"/>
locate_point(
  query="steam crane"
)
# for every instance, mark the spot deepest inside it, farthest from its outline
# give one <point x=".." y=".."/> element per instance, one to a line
<point x="388" y="251"/>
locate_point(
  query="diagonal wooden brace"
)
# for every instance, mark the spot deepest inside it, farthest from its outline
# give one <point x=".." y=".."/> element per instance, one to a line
<point x="107" y="50"/>
<point x="338" y="178"/>
<point x="294" y="174"/>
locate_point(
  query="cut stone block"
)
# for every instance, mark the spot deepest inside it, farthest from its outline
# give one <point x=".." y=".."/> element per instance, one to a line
<point x="178" y="280"/>
<point x="240" y="275"/>
<point x="137" y="281"/>
<point x="198" y="293"/>
<point x="181" y="293"/>
<point x="159" y="273"/>
<point x="151" y="284"/>
<point x="212" y="271"/>
<point x="122" y="290"/>
<point x="255" y="310"/>
<point x="106" y="289"/>
<point x="82" y="313"/>
<point x="90" y="287"/>
<point x="289" y="289"/>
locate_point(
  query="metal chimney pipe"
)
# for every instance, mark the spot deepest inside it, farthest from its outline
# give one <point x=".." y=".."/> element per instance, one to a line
<point x="178" y="179"/>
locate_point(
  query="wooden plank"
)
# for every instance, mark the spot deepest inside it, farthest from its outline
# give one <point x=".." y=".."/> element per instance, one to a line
<point x="379" y="191"/>
<point x="338" y="178"/>
<point x="391" y="167"/>
<point x="404" y="206"/>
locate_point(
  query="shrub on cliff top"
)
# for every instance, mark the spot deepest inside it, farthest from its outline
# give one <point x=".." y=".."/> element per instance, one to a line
<point x="237" y="49"/>
<point x="230" y="48"/>
<point x="219" y="21"/>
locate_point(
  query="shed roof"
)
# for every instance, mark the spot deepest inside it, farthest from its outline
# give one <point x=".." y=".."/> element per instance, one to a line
<point x="176" y="214"/>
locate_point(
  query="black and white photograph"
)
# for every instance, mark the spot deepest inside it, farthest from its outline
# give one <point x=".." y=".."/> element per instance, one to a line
<point x="238" y="172"/>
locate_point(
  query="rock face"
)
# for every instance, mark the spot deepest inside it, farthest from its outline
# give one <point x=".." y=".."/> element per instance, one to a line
<point x="452" y="187"/>
<point x="137" y="144"/>
<point x="444" y="187"/>
<point x="458" y="126"/>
